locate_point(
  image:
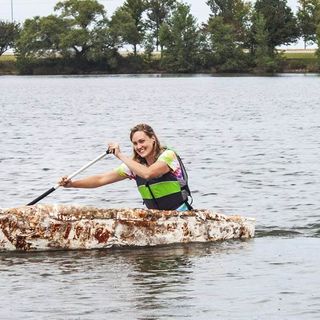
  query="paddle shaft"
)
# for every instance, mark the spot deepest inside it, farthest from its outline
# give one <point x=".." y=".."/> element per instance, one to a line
<point x="69" y="178"/>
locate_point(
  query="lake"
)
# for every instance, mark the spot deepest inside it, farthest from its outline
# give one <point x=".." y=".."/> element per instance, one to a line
<point x="251" y="146"/>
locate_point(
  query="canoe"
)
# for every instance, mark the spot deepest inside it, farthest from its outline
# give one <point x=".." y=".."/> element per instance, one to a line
<point x="71" y="227"/>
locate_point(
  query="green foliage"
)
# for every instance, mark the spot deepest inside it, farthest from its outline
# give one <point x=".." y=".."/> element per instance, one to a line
<point x="133" y="63"/>
<point x="181" y="41"/>
<point x="308" y="19"/>
<point x="80" y="30"/>
<point x="81" y="19"/>
<point x="81" y="13"/>
<point x="79" y="34"/>
<point x="264" y="58"/>
<point x="9" y="32"/>
<point x="281" y="24"/>
<point x="79" y="38"/>
<point x="7" y="65"/>
<point x="318" y="43"/>
<point x="227" y="55"/>
<point x="124" y="30"/>
<point x="148" y="47"/>
<point x="105" y="44"/>
<point x="127" y="26"/>
<point x="41" y="37"/>
<point x="228" y="31"/>
<point x="157" y="13"/>
<point x="136" y="8"/>
<point x="233" y="12"/>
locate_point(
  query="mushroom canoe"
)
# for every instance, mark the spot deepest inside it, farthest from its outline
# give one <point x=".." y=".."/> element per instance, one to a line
<point x="70" y="227"/>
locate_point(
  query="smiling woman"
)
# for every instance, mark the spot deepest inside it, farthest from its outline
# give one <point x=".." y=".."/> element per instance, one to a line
<point x="158" y="171"/>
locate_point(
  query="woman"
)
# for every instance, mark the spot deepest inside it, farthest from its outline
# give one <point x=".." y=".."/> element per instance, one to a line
<point x="159" y="172"/>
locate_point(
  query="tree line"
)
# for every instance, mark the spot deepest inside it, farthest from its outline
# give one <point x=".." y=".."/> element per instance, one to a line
<point x="162" y="35"/>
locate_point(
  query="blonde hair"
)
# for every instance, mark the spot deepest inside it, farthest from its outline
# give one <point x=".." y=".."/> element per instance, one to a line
<point x="150" y="133"/>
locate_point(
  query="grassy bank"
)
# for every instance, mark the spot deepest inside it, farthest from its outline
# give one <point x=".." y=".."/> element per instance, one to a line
<point x="8" y="64"/>
<point x="295" y="61"/>
<point x="7" y="57"/>
<point x="301" y="61"/>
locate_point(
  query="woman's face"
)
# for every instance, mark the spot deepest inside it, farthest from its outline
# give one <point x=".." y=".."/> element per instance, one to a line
<point x="143" y="144"/>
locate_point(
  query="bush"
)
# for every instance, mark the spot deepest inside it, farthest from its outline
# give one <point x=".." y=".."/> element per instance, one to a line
<point x="8" y="67"/>
<point x="54" y="66"/>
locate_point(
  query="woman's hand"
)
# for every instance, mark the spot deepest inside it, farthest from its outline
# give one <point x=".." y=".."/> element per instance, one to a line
<point x="65" y="182"/>
<point x="114" y="148"/>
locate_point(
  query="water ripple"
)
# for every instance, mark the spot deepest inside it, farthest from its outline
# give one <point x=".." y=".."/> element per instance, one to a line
<point x="250" y="149"/>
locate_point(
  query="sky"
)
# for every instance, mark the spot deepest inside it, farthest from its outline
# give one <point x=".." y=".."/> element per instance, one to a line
<point x="23" y="9"/>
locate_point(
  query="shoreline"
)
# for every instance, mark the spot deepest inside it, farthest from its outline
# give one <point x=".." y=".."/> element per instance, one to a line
<point x="295" y="61"/>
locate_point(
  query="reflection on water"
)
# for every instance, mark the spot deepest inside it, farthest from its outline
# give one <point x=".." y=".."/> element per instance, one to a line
<point x="144" y="281"/>
<point x="215" y="280"/>
<point x="251" y="147"/>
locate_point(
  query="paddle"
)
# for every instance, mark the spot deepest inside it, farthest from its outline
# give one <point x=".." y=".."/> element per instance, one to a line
<point x="69" y="178"/>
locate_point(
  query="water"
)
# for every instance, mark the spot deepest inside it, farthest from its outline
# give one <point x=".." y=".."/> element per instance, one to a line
<point x="251" y="146"/>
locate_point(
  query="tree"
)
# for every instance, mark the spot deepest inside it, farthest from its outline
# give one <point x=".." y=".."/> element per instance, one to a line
<point x="227" y="32"/>
<point x="226" y="53"/>
<point x="124" y="30"/>
<point x="9" y="32"/>
<point x="40" y="37"/>
<point x="281" y="24"/>
<point x="127" y="23"/>
<point x="264" y="59"/>
<point x="308" y="19"/>
<point x="105" y="44"/>
<point x="157" y="13"/>
<point x="81" y="13"/>
<point x="76" y="38"/>
<point x="318" y="43"/>
<point x="181" y="40"/>
<point x="83" y="19"/>
<point x="233" y="12"/>
<point x="148" y="47"/>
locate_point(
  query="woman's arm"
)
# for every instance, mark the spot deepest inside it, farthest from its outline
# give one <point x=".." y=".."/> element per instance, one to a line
<point x="157" y="169"/>
<point x="92" y="181"/>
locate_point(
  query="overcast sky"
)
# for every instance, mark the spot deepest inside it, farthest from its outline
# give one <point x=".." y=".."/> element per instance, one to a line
<point x="23" y="9"/>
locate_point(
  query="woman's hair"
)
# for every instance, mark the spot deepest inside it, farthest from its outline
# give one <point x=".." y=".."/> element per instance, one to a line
<point x="150" y="133"/>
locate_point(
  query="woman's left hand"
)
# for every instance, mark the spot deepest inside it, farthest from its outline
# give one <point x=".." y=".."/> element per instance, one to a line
<point x="114" y="148"/>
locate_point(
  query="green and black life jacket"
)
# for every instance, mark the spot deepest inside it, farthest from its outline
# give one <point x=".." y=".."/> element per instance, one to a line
<point x="165" y="192"/>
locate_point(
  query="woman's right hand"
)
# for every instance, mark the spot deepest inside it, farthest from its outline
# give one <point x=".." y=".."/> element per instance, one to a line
<point x="114" y="148"/>
<point x="65" y="182"/>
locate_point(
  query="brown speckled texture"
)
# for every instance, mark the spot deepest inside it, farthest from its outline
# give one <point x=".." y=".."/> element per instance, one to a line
<point x="45" y="227"/>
